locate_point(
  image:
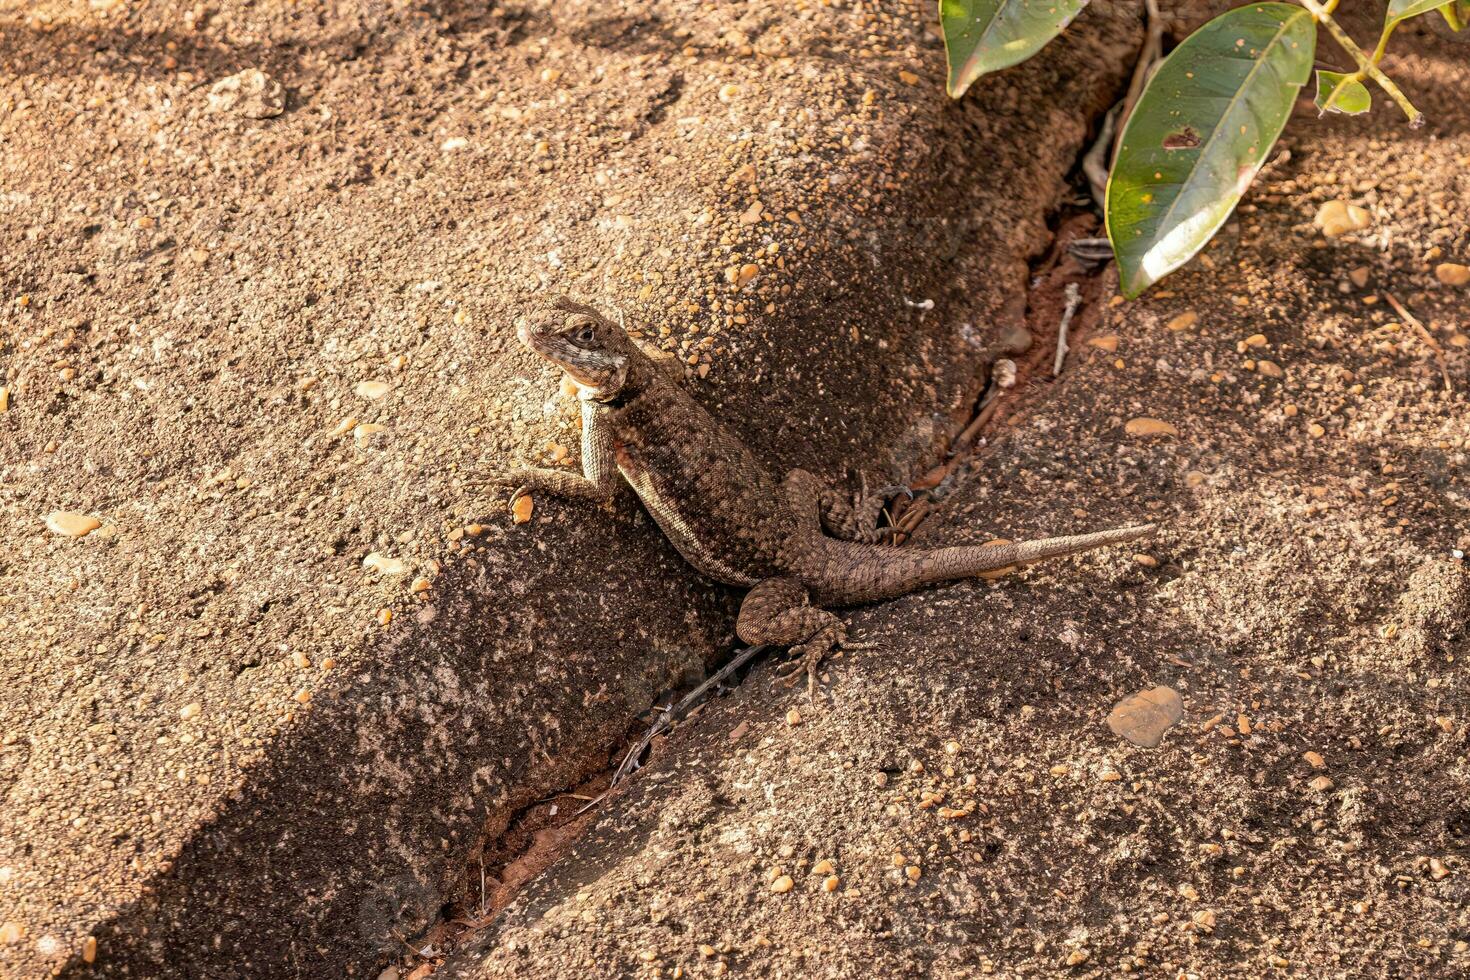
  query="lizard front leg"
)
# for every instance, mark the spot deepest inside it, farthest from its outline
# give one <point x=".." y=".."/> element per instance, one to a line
<point x="599" y="479"/>
<point x="778" y="612"/>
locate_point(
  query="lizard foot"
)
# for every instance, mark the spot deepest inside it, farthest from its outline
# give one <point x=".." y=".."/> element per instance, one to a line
<point x="807" y="658"/>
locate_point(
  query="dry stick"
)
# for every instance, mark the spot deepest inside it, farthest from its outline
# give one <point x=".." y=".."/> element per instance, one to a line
<point x="668" y="717"/>
<point x="1074" y="299"/>
<point x="1413" y="321"/>
<point x="1099" y="159"/>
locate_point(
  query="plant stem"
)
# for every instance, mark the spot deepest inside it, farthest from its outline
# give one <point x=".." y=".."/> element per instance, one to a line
<point x="1366" y="66"/>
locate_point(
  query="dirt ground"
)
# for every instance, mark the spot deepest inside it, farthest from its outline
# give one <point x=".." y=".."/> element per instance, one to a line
<point x="1307" y="598"/>
<point x="261" y="719"/>
<point x="263" y="349"/>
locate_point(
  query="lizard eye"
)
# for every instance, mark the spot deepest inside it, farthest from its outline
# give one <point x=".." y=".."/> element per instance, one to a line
<point x="585" y="336"/>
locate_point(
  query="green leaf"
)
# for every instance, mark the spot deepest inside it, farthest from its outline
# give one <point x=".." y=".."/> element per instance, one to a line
<point x="1404" y="9"/>
<point x="1455" y="14"/>
<point x="982" y="36"/>
<point x="1353" y="99"/>
<point x="1199" y="133"/>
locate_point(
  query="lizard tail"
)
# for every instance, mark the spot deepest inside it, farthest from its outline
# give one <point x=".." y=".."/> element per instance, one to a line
<point x="965" y="562"/>
<point x="886" y="572"/>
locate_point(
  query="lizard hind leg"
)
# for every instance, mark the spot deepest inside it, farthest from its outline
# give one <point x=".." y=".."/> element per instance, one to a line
<point x="778" y="612"/>
<point x="833" y="513"/>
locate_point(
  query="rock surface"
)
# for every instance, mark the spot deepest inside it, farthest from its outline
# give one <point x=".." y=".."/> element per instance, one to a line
<point x="261" y="351"/>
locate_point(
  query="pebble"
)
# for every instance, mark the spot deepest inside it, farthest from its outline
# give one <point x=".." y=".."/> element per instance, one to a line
<point x="1452" y="273"/>
<point x="89" y="949"/>
<point x="1108" y="343"/>
<point x="823" y="867"/>
<point x="190" y="710"/>
<point x="303" y="696"/>
<point x="11" y="933"/>
<point x="1183" y="321"/>
<point x="1359" y="276"/>
<point x="1321" y="784"/>
<point x="363" y="434"/>
<point x="830" y="883"/>
<point x="1314" y="759"/>
<point x="419" y="585"/>
<point x="1077" y="957"/>
<point x="391" y="567"/>
<point x="782" y="885"/>
<point x="71" y="524"/>
<point x="1269" y="368"/>
<point x="793" y="717"/>
<point x="385" y="616"/>
<point x="1144" y="718"/>
<point x="1339" y="217"/>
<point x="1316" y="431"/>
<point x="454" y="143"/>
<point x="522" y="509"/>
<point x="251" y="93"/>
<point x="1145" y="426"/>
<point x="1147" y="561"/>
<point x="372" y="390"/>
<point x="343" y="427"/>
<point x="4" y="399"/>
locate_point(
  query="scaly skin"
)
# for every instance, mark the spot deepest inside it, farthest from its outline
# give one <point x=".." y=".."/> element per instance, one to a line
<point x="724" y="511"/>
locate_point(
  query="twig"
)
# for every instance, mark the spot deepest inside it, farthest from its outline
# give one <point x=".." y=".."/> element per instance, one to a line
<point x="1074" y="299"/>
<point x="668" y="716"/>
<point x="1413" y="321"/>
<point x="1366" y="65"/>
<point x="1099" y="158"/>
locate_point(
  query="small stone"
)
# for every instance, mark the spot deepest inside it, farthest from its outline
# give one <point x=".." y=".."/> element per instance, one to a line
<point x="1314" y="759"/>
<point x="1183" y="321"/>
<point x="251" y="93"/>
<point x="303" y="696"/>
<point x="1339" y="217"/>
<point x="364" y="434"/>
<point x="71" y="524"/>
<point x="300" y="659"/>
<point x="1110" y="776"/>
<point x="419" y="585"/>
<point x="1359" y="276"/>
<point x="454" y="143"/>
<point x="1316" y="431"/>
<point x="1077" y="957"/>
<point x="1452" y="273"/>
<point x="952" y="747"/>
<point x="1108" y="343"/>
<point x="1059" y="770"/>
<point x="11" y="933"/>
<point x="522" y="509"/>
<point x="782" y="885"/>
<point x="89" y="949"/>
<point x="908" y="77"/>
<point x="1270" y="369"/>
<point x="4" y="399"/>
<point x="1144" y="718"/>
<point x="706" y="950"/>
<point x="1204" y="920"/>
<point x="1321" y="784"/>
<point x="385" y="616"/>
<point x="739" y="730"/>
<point x="372" y="390"/>
<point x="1147" y="561"/>
<point x="1144" y="426"/>
<point x="793" y="717"/>
<point x="389" y="567"/>
<point x="190" y="710"/>
<point x="728" y="93"/>
<point x="823" y="867"/>
<point x="830" y="883"/>
<point x="343" y="427"/>
<point x="913" y="872"/>
<point x="1446" y="724"/>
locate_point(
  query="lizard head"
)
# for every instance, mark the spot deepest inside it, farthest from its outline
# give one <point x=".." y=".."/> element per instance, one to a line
<point x="596" y="352"/>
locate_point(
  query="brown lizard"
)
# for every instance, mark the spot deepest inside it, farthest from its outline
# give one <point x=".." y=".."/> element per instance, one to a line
<point x="796" y="545"/>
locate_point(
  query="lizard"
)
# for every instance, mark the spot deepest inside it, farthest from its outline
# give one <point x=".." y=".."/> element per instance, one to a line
<point x="799" y="547"/>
